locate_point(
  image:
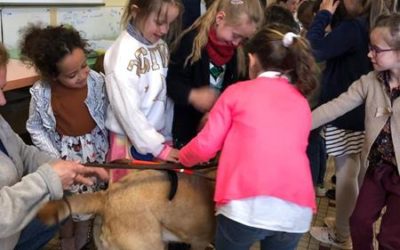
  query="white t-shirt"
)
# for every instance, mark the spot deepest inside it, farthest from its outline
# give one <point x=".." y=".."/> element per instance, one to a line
<point x="268" y="213"/>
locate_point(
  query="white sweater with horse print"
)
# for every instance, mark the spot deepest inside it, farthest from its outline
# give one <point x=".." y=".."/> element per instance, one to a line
<point x="136" y="88"/>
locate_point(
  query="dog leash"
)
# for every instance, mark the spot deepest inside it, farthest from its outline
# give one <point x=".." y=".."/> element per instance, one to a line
<point x="154" y="165"/>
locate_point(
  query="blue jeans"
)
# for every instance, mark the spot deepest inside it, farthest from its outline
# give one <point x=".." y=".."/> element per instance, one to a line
<point x="232" y="235"/>
<point x="35" y="235"/>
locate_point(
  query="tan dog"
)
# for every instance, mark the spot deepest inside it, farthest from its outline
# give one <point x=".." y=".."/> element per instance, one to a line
<point x="135" y="212"/>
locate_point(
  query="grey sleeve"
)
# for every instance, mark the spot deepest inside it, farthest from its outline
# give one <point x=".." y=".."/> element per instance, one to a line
<point x="19" y="203"/>
<point x="31" y="156"/>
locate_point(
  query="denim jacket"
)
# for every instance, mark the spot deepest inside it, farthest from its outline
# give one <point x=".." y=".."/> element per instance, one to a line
<point x="41" y="123"/>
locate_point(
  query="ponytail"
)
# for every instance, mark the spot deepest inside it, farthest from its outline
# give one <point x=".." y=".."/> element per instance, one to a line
<point x="305" y="70"/>
<point x="278" y="49"/>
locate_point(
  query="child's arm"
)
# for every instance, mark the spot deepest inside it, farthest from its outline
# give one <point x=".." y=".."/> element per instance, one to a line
<point x="211" y="138"/>
<point x="183" y="83"/>
<point x="344" y="103"/>
<point x="169" y="154"/>
<point x="34" y="125"/>
<point x="100" y="81"/>
<point x="340" y="40"/>
<point x="98" y="101"/>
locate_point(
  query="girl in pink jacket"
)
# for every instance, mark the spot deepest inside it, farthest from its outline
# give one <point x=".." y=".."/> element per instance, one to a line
<point x="264" y="188"/>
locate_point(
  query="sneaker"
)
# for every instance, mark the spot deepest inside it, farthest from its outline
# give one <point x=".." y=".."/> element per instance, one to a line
<point x="330" y="222"/>
<point x="320" y="191"/>
<point x="327" y="235"/>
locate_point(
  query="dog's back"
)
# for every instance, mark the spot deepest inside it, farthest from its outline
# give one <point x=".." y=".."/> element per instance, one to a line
<point x="135" y="211"/>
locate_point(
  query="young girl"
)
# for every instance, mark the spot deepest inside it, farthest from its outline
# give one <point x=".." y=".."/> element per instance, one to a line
<point x="67" y="109"/>
<point x="344" y="49"/>
<point x="262" y="194"/>
<point x="379" y="90"/>
<point x="140" y="114"/>
<point x="203" y="62"/>
<point x="29" y="179"/>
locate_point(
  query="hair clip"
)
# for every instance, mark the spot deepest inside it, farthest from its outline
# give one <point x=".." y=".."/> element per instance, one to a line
<point x="288" y="39"/>
<point x="237" y="2"/>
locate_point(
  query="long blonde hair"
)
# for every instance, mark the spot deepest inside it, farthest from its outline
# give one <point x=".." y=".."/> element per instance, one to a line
<point x="137" y="11"/>
<point x="233" y="10"/>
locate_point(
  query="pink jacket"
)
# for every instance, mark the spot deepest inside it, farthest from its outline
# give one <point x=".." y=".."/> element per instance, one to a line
<point x="262" y="127"/>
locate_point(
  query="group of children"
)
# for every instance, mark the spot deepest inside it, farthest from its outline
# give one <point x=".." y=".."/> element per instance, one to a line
<point x="152" y="101"/>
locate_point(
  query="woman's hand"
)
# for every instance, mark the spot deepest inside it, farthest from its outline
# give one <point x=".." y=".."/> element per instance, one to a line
<point x="71" y="172"/>
<point x="329" y="5"/>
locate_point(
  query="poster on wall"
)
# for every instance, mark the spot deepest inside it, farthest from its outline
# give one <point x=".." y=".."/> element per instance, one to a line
<point x="14" y="20"/>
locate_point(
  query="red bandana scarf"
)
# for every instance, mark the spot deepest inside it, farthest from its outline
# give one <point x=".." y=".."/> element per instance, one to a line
<point x="219" y="53"/>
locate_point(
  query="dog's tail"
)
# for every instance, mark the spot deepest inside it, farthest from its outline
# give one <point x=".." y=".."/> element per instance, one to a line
<point x="55" y="211"/>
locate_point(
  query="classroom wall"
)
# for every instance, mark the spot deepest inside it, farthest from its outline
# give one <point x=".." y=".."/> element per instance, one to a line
<point x="16" y="110"/>
<point x="115" y="2"/>
<point x="99" y="24"/>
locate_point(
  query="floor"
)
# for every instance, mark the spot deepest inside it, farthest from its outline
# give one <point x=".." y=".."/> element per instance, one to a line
<point x="326" y="207"/>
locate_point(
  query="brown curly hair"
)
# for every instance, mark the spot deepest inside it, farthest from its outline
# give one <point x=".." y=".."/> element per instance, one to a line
<point x="44" y="47"/>
<point x="3" y="55"/>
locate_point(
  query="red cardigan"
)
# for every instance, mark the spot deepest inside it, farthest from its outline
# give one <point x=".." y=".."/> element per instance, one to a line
<point x="262" y="127"/>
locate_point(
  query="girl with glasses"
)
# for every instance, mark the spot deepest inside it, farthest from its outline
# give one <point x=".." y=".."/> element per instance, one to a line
<point x="380" y="157"/>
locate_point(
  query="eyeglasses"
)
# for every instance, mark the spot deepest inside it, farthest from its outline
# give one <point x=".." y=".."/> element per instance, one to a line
<point x="376" y="50"/>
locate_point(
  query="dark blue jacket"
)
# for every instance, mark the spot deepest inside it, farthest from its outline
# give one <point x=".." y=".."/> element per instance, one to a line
<point x="191" y="12"/>
<point x="345" y="51"/>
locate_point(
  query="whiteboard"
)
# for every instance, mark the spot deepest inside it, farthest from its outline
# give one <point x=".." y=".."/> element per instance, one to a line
<point x="14" y="19"/>
<point x="50" y="2"/>
<point x="93" y="23"/>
